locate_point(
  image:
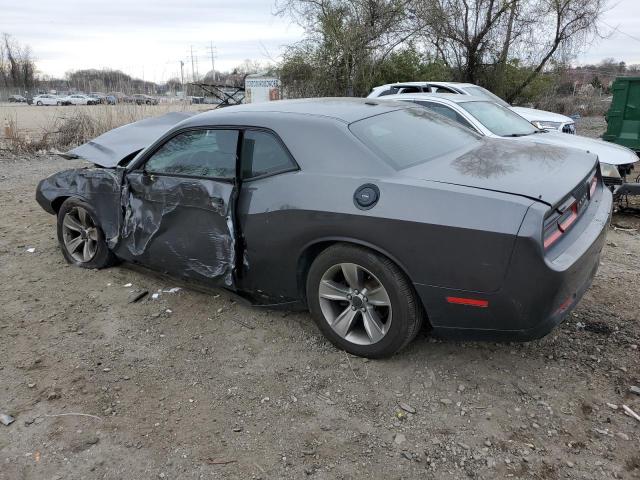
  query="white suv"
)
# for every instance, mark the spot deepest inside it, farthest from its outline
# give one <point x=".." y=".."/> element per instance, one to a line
<point x="540" y="118"/>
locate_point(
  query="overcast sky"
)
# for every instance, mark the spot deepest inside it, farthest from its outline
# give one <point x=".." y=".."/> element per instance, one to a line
<point x="148" y="38"/>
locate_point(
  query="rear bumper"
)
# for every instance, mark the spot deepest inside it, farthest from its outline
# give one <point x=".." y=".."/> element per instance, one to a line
<point x="538" y="292"/>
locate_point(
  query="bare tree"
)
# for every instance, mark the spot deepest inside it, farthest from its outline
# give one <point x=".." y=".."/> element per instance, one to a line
<point x="17" y="66"/>
<point x="557" y="27"/>
<point x="349" y="38"/>
<point x="478" y="38"/>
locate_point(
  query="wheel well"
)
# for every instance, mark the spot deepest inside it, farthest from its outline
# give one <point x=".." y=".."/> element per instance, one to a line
<point x="57" y="203"/>
<point x="311" y="252"/>
<point x="304" y="263"/>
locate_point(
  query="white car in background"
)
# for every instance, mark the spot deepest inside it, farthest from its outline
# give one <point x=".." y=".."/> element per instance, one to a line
<point x="491" y="119"/>
<point x="46" y="99"/>
<point x="80" y="99"/>
<point x="540" y="118"/>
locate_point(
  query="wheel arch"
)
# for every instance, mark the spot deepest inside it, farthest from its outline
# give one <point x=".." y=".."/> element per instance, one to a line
<point x="312" y="249"/>
<point x="57" y="202"/>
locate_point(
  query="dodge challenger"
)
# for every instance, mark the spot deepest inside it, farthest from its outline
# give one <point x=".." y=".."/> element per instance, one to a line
<point x="379" y="217"/>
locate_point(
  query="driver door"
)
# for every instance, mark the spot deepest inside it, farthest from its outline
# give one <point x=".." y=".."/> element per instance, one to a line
<point x="179" y="207"/>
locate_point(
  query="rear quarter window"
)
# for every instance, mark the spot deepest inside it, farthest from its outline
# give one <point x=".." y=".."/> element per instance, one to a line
<point x="408" y="137"/>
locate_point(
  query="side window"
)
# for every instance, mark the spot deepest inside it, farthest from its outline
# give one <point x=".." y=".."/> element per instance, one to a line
<point x="200" y="153"/>
<point x="447" y="112"/>
<point x="262" y="154"/>
<point x="442" y="90"/>
<point x="410" y="90"/>
<point x="391" y="91"/>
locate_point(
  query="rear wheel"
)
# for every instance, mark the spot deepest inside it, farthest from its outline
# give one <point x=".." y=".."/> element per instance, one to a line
<point x="81" y="239"/>
<point x="362" y="302"/>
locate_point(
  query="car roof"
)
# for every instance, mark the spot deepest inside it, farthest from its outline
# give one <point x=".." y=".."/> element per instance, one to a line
<point x="345" y="110"/>
<point x="423" y="83"/>
<point x="451" y="97"/>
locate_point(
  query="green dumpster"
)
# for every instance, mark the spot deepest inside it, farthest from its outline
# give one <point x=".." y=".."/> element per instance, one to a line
<point x="623" y="117"/>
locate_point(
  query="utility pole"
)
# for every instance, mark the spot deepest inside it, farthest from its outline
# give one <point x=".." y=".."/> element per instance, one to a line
<point x="193" y="68"/>
<point x="213" y="66"/>
<point x="182" y="78"/>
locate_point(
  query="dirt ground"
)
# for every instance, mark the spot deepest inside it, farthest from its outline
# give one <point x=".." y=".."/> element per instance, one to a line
<point x="193" y="385"/>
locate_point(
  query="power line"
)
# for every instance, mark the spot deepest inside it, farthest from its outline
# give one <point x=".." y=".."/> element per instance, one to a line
<point x="616" y="29"/>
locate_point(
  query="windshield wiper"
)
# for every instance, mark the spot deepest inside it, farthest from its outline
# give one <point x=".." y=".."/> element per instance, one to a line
<point x="517" y="135"/>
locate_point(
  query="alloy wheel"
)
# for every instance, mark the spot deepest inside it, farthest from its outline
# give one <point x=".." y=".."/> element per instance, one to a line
<point x="80" y="234"/>
<point x="355" y="303"/>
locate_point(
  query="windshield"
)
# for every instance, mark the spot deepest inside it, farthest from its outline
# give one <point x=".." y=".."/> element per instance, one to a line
<point x="484" y="93"/>
<point x="499" y="120"/>
<point x="407" y="137"/>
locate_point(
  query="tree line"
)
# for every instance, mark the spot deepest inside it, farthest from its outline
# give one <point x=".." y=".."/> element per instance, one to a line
<point x="352" y="45"/>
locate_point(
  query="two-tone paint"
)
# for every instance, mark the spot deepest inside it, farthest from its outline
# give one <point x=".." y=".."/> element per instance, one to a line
<point x="466" y="228"/>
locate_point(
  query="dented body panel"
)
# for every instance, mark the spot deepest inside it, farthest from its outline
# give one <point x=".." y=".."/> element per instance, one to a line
<point x="100" y="187"/>
<point x="110" y="148"/>
<point x="181" y="226"/>
<point x="453" y="225"/>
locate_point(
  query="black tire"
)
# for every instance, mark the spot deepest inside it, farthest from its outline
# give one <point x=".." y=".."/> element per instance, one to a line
<point x="103" y="257"/>
<point x="39" y="103"/>
<point x="408" y="313"/>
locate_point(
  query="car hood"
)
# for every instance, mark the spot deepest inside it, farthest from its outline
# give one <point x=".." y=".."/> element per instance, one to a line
<point x="606" y="152"/>
<point x="541" y="172"/>
<point x="110" y="148"/>
<point x="533" y="114"/>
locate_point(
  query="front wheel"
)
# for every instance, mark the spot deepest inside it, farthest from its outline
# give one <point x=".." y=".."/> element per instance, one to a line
<point x="39" y="104"/>
<point x="81" y="239"/>
<point x="362" y="302"/>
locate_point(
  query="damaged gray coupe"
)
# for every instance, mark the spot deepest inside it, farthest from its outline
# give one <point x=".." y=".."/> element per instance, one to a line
<point x="377" y="217"/>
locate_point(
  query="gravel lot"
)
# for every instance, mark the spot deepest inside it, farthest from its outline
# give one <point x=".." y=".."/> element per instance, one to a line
<point x="195" y="385"/>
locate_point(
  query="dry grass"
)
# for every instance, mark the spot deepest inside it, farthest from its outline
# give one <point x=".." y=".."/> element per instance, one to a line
<point x="71" y="126"/>
<point x="586" y="106"/>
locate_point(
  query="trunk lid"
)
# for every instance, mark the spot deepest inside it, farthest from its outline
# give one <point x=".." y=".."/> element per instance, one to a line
<point x="110" y="148"/>
<point x="545" y="173"/>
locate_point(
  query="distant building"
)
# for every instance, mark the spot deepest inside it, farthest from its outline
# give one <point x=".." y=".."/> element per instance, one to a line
<point x="261" y="88"/>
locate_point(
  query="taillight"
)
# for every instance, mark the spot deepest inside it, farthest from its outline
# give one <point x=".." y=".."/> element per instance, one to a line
<point x="558" y="223"/>
<point x="593" y="185"/>
<point x="566" y="214"/>
<point x="551" y="232"/>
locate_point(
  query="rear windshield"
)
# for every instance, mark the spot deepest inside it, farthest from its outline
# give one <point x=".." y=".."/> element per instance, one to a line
<point x="407" y="137"/>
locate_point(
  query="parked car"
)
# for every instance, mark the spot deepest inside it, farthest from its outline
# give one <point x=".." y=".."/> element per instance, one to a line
<point x="17" y="99"/>
<point x="141" y="99"/>
<point x="46" y="99"/>
<point x="495" y="120"/>
<point x="99" y="96"/>
<point x="540" y="118"/>
<point x="111" y="100"/>
<point x="81" y="99"/>
<point x="377" y="216"/>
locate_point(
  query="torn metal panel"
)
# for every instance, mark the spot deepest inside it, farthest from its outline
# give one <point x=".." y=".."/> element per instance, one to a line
<point x="179" y="225"/>
<point x="97" y="186"/>
<point x="110" y="148"/>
